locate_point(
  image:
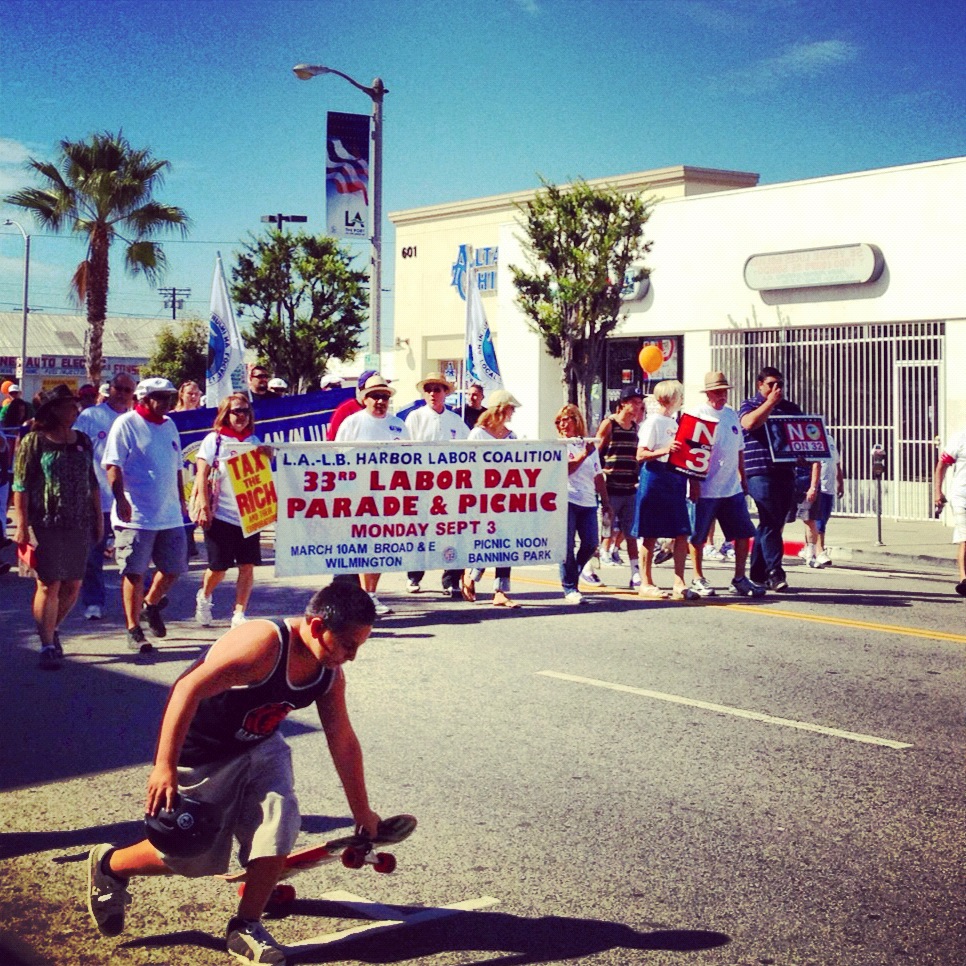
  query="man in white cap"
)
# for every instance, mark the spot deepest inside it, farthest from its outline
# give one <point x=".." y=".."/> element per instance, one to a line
<point x="723" y="492"/>
<point x="277" y="387"/>
<point x="430" y="423"/>
<point x="143" y="463"/>
<point x="373" y="424"/>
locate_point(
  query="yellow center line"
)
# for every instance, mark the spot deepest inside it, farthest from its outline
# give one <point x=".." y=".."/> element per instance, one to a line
<point x="767" y="611"/>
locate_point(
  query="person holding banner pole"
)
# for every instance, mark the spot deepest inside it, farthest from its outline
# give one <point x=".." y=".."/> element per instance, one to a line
<point x="662" y="509"/>
<point x="233" y="432"/>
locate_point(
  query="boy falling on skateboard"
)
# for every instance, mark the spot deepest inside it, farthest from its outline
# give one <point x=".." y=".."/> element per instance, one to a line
<point x="219" y="745"/>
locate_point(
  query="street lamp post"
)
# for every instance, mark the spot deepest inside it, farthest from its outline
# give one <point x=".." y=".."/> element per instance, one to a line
<point x="376" y="93"/>
<point x="22" y="370"/>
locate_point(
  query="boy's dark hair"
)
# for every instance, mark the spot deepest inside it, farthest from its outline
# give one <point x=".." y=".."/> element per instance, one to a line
<point x="342" y="604"/>
<point x="769" y="371"/>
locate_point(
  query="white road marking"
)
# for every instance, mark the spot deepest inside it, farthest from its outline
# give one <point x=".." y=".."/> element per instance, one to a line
<point x="725" y="709"/>
<point x="398" y="922"/>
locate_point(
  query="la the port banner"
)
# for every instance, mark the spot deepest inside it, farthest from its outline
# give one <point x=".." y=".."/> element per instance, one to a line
<point x="379" y="507"/>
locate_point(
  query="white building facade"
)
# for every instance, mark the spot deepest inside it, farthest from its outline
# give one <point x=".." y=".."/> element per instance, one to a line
<point x="852" y="285"/>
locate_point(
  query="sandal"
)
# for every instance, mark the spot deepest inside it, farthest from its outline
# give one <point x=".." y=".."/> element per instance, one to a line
<point x="468" y="589"/>
<point x="651" y="592"/>
<point x="500" y="599"/>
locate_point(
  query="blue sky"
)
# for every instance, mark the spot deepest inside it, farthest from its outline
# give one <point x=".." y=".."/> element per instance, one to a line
<point x="483" y="98"/>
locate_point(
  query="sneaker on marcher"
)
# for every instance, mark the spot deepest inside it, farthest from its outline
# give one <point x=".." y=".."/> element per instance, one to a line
<point x="611" y="559"/>
<point x="717" y="554"/>
<point x="744" y="587"/>
<point x="135" y="638"/>
<point x="107" y="896"/>
<point x="702" y="588"/>
<point x="381" y="608"/>
<point x="203" y="609"/>
<point x="152" y="614"/>
<point x="412" y="587"/>
<point x="821" y="560"/>
<point x="589" y="576"/>
<point x="776" y="584"/>
<point x="805" y="553"/>
<point x="728" y="551"/>
<point x="574" y="597"/>
<point x="635" y="581"/>
<point x="238" y="618"/>
<point x="92" y="613"/>
<point x="249" y="941"/>
<point x="50" y="660"/>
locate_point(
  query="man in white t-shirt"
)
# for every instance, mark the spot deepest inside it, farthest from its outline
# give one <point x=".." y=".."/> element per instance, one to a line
<point x="430" y="423"/>
<point x="723" y="492"/>
<point x="373" y="424"/>
<point x="143" y="462"/>
<point x="96" y="422"/>
<point x="953" y="455"/>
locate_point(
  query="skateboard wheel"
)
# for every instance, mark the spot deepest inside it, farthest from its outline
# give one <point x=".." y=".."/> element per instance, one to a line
<point x="385" y="863"/>
<point x="354" y="858"/>
<point x="241" y="889"/>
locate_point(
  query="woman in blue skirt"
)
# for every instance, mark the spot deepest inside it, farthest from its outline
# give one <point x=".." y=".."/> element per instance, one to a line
<point x="662" y="506"/>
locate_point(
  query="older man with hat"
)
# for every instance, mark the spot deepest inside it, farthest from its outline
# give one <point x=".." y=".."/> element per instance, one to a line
<point x="143" y="462"/>
<point x="430" y="423"/>
<point x="373" y="424"/>
<point x="722" y="492"/>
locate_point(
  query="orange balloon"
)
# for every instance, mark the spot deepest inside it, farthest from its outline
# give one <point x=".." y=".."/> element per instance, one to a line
<point x="7" y="383"/>
<point x="651" y="358"/>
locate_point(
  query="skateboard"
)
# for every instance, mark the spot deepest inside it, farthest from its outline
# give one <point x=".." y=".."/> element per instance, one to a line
<point x="355" y="852"/>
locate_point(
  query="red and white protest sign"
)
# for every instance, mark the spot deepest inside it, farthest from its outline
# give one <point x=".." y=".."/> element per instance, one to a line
<point x="696" y="435"/>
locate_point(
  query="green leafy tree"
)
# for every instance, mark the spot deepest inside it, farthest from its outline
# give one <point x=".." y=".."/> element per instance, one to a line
<point x="103" y="189"/>
<point x="304" y="301"/>
<point x="581" y="243"/>
<point x="181" y="354"/>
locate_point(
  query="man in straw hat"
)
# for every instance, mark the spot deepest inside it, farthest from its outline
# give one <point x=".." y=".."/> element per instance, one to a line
<point x="723" y="492"/>
<point x="430" y="423"/>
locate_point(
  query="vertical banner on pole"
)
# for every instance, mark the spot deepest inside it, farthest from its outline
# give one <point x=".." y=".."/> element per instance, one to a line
<point x="347" y="175"/>
<point x="225" y="372"/>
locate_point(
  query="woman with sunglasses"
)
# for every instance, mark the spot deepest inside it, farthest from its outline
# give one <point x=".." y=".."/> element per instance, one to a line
<point x="233" y="432"/>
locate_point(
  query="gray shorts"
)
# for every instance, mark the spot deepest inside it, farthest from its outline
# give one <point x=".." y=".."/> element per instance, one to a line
<point x="134" y="550"/>
<point x="257" y="791"/>
<point x="623" y="507"/>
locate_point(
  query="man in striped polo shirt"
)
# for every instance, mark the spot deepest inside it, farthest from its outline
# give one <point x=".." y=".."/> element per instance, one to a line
<point x="770" y="484"/>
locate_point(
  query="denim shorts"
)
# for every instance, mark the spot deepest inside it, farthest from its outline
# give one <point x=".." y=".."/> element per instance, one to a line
<point x="135" y="550"/>
<point x="730" y="511"/>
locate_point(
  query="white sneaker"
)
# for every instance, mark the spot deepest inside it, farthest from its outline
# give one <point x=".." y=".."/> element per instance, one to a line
<point x="822" y="560"/>
<point x="590" y="577"/>
<point x="412" y="587"/>
<point x="251" y="942"/>
<point x="805" y="552"/>
<point x="381" y="608"/>
<point x="574" y="597"/>
<point x="702" y="588"/>
<point x="635" y="580"/>
<point x="93" y="613"/>
<point x="238" y="618"/>
<point x="611" y="559"/>
<point x="203" y="614"/>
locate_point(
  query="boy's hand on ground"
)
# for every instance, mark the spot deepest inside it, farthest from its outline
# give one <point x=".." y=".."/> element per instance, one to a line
<point x="162" y="789"/>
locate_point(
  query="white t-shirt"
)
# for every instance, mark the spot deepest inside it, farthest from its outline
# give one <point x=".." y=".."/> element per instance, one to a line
<point x="427" y="425"/>
<point x="581" y="490"/>
<point x="954" y="482"/>
<point x="478" y="432"/>
<point x="828" y="475"/>
<point x="656" y="432"/>
<point x="361" y="427"/>
<point x="227" y="507"/>
<point x="149" y="456"/>
<point x="723" y="479"/>
<point x="96" y="422"/>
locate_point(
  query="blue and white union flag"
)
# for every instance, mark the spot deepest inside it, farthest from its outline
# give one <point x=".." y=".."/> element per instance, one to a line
<point x="226" y="351"/>
<point x="481" y="364"/>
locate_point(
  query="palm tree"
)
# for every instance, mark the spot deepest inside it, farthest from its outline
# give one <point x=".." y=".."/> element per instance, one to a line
<point x="103" y="188"/>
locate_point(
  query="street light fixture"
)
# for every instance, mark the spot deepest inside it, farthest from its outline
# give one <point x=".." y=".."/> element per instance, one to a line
<point x="22" y="369"/>
<point x="376" y="93"/>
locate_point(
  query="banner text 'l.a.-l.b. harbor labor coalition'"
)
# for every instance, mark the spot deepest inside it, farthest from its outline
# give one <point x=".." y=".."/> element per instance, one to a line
<point x="377" y="507"/>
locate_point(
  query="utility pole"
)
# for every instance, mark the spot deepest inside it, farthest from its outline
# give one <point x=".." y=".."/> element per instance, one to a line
<point x="174" y="299"/>
<point x="278" y="220"/>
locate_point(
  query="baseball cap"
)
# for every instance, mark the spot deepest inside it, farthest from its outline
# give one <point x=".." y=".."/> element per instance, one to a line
<point x="277" y="383"/>
<point x="631" y="392"/>
<point x="331" y="380"/>
<point x="153" y="384"/>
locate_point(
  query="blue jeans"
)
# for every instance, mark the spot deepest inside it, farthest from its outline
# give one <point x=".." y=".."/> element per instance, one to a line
<point x="93" y="591"/>
<point x="581" y="522"/>
<point x="773" y="498"/>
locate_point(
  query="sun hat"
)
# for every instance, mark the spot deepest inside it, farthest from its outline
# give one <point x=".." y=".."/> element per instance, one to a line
<point x="501" y="397"/>
<point x="53" y="396"/>
<point x="438" y="379"/>
<point x="152" y="385"/>
<point x="330" y="381"/>
<point x="374" y="382"/>
<point x="715" y="380"/>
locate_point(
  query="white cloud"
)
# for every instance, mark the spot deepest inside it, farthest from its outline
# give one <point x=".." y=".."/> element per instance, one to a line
<point x="800" y="61"/>
<point x="528" y="6"/>
<point x="13" y="175"/>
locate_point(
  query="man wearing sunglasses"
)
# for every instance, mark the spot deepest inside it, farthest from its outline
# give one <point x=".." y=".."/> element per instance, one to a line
<point x="429" y="423"/>
<point x="96" y="422"/>
<point x="770" y="484"/>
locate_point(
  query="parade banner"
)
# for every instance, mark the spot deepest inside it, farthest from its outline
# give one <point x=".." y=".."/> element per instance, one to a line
<point x="378" y="507"/>
<point x="249" y="473"/>
<point x="347" y="175"/>
<point x="791" y="438"/>
<point x="696" y="435"/>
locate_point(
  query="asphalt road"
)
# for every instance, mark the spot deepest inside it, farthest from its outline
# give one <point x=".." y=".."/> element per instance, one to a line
<point x="727" y="782"/>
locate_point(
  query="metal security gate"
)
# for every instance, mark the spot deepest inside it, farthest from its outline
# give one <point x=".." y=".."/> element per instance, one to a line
<point x="877" y="383"/>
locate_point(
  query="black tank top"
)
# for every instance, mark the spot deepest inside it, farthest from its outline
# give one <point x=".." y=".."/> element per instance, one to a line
<point x="230" y="723"/>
